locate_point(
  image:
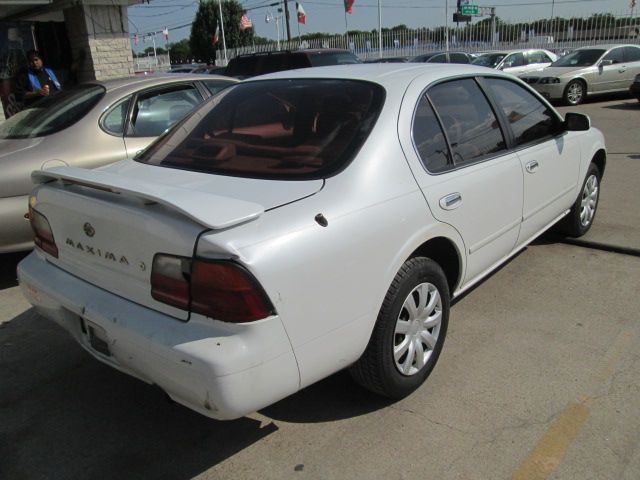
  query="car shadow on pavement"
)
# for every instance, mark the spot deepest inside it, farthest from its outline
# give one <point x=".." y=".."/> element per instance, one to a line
<point x="65" y="415"/>
<point x="335" y="398"/>
<point x="635" y="105"/>
<point x="8" y="264"/>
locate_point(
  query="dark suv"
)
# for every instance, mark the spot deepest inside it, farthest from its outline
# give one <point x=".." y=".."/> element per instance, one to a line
<point x="244" y="66"/>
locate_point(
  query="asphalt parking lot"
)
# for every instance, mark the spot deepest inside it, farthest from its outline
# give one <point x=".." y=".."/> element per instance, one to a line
<point x="538" y="379"/>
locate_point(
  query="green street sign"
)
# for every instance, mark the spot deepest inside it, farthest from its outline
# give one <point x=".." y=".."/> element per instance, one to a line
<point x="469" y="10"/>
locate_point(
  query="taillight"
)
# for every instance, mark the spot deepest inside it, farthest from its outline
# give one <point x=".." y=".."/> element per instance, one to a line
<point x="43" y="235"/>
<point x="222" y="290"/>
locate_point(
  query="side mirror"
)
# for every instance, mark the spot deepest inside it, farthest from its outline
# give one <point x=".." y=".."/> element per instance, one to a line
<point x="606" y="63"/>
<point x="576" y="122"/>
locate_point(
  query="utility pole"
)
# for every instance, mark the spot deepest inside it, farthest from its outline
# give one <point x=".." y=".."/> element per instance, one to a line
<point x="286" y="17"/>
<point x="446" y="24"/>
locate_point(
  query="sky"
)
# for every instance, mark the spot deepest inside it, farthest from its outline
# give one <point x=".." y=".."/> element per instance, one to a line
<point x="328" y="15"/>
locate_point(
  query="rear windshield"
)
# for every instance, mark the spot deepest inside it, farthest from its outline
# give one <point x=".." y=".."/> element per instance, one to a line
<point x="334" y="58"/>
<point x="253" y="65"/>
<point x="52" y="114"/>
<point x="579" y="58"/>
<point x="274" y="129"/>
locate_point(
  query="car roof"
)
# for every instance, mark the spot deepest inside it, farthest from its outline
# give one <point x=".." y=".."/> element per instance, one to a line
<point x="136" y="83"/>
<point x="312" y="51"/>
<point x="607" y="46"/>
<point x="515" y="50"/>
<point x="389" y="75"/>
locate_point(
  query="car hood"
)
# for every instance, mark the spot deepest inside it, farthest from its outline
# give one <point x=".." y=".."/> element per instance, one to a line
<point x="18" y="158"/>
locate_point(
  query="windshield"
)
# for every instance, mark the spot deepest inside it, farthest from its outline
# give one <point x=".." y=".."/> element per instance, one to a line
<point x="275" y="129"/>
<point x="579" y="58"/>
<point x="490" y="60"/>
<point x="52" y="114"/>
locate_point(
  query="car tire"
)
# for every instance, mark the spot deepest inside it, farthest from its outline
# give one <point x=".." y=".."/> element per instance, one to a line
<point x="574" y="93"/>
<point x="409" y="332"/>
<point x="580" y="218"/>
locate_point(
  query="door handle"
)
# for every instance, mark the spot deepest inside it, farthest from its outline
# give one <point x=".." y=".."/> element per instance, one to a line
<point x="451" y="201"/>
<point x="532" y="166"/>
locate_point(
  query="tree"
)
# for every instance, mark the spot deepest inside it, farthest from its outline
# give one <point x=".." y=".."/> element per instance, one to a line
<point x="180" y="51"/>
<point x="204" y="27"/>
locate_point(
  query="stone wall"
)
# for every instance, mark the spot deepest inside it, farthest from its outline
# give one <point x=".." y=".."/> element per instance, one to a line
<point x="99" y="41"/>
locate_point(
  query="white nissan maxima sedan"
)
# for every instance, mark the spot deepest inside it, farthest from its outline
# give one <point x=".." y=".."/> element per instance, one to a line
<point x="306" y="222"/>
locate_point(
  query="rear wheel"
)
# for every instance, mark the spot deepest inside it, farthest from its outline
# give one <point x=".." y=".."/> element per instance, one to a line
<point x="574" y="93"/>
<point x="409" y="333"/>
<point x="580" y="218"/>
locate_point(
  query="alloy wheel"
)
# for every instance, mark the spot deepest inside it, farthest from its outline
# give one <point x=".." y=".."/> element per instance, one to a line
<point x="575" y="93"/>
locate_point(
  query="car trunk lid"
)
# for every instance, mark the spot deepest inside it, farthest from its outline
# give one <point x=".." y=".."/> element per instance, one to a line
<point x="108" y="227"/>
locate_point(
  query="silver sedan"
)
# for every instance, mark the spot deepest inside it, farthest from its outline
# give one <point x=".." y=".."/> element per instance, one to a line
<point x="88" y="126"/>
<point x="587" y="71"/>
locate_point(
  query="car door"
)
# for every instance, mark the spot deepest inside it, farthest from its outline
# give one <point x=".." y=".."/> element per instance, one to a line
<point x="550" y="157"/>
<point x="631" y="64"/>
<point x="468" y="177"/>
<point x="155" y="110"/>
<point x="610" y="74"/>
<point x="515" y="63"/>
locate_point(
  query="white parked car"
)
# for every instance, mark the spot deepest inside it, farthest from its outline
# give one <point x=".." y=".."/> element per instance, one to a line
<point x="305" y="222"/>
<point x="516" y="62"/>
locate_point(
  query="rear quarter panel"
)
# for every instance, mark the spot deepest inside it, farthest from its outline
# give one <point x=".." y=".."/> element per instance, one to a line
<point x="328" y="283"/>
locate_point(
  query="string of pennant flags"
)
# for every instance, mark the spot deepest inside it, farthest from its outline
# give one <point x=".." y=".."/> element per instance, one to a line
<point x="245" y="23"/>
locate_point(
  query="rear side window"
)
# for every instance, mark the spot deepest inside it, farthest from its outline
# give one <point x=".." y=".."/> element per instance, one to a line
<point x="514" y="60"/>
<point x="631" y="54"/>
<point x="157" y="110"/>
<point x="472" y="128"/>
<point x="538" y="57"/>
<point x="530" y="119"/>
<point x="440" y="58"/>
<point x="429" y="139"/>
<point x="459" y="58"/>
<point x="113" y="122"/>
<point x="274" y="129"/>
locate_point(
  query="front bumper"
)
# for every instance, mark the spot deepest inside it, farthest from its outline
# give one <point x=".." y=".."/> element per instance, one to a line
<point x="15" y="233"/>
<point x="223" y="371"/>
<point x="550" y="91"/>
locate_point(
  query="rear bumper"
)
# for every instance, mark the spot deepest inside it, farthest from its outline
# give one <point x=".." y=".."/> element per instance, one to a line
<point x="15" y="233"/>
<point x="221" y="370"/>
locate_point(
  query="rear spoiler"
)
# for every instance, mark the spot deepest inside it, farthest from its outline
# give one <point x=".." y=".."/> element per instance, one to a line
<point x="212" y="211"/>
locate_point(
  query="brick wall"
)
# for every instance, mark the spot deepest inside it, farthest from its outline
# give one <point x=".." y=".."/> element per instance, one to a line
<point x="99" y="41"/>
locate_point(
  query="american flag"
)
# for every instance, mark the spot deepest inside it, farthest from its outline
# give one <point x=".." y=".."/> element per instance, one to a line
<point x="245" y="22"/>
